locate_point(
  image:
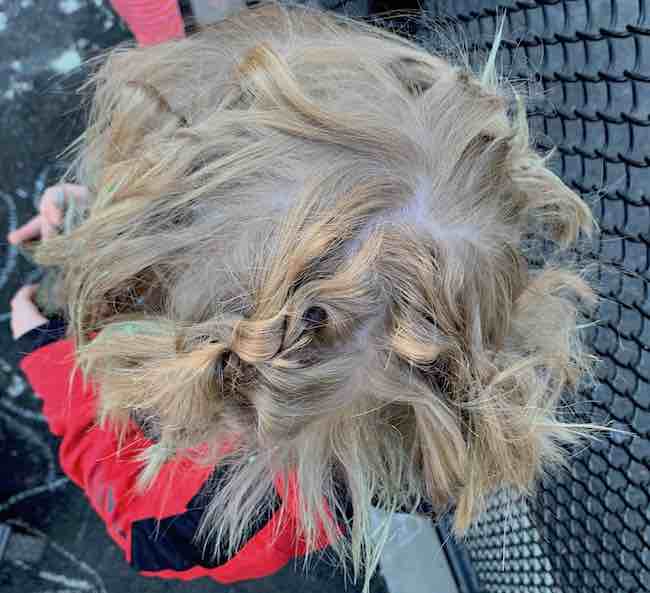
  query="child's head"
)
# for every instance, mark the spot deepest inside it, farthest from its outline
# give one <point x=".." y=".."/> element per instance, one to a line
<point x="308" y="238"/>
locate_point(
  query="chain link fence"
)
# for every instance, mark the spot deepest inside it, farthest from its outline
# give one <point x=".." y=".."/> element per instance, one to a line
<point x="589" y="528"/>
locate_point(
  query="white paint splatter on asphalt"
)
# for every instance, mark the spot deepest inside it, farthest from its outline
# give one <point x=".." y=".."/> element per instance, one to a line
<point x="67" y="61"/>
<point x="26" y="494"/>
<point x="17" y="386"/>
<point x="100" y="587"/>
<point x="60" y="579"/>
<point x="26" y="414"/>
<point x="69" y="6"/>
<point x="17" y="87"/>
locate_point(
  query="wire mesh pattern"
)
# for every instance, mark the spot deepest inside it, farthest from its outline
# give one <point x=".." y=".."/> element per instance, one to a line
<point x="589" y="529"/>
<point x="507" y="539"/>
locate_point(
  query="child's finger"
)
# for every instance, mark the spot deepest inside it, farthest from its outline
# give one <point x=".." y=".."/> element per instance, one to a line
<point x="52" y="204"/>
<point x="54" y="199"/>
<point x="78" y="192"/>
<point x="24" y="295"/>
<point x="30" y="230"/>
<point x="25" y="315"/>
<point x="29" y="290"/>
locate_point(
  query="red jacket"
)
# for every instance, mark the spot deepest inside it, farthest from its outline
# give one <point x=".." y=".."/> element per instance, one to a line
<point x="155" y="530"/>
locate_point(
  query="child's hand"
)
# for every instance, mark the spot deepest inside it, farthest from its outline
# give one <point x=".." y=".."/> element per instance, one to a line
<point x="50" y="215"/>
<point x="25" y="315"/>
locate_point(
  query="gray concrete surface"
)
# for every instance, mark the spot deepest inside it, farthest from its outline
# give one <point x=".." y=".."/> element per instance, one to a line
<point x="413" y="560"/>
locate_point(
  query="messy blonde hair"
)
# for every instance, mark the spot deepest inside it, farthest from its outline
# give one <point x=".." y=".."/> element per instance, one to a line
<point x="307" y="238"/>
